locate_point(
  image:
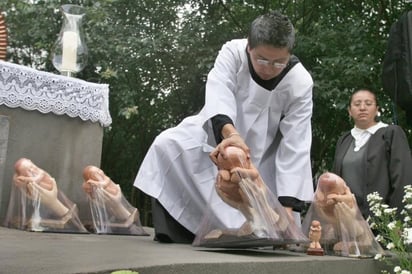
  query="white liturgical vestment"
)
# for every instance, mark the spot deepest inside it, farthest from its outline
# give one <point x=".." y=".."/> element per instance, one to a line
<point x="275" y="124"/>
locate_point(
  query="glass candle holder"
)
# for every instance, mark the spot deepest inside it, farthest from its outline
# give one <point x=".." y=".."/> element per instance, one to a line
<point x="70" y="51"/>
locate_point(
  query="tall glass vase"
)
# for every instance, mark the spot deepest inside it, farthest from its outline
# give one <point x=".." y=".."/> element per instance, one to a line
<point x="70" y="51"/>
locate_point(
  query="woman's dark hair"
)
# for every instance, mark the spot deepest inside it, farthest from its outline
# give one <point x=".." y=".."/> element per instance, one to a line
<point x="363" y="89"/>
<point x="377" y="118"/>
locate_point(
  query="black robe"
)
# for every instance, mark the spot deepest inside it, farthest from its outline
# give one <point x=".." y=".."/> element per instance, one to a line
<point x="387" y="166"/>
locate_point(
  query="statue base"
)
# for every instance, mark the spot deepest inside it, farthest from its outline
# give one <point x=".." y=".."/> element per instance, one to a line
<point x="128" y="227"/>
<point x="67" y="223"/>
<point x="315" y="251"/>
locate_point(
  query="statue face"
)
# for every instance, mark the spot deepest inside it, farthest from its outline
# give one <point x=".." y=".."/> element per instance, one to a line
<point x="330" y="183"/>
<point x="235" y="157"/>
<point x="94" y="173"/>
<point x="25" y="167"/>
<point x="329" y="186"/>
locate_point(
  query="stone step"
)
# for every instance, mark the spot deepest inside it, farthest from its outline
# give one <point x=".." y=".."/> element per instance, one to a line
<point x="38" y="252"/>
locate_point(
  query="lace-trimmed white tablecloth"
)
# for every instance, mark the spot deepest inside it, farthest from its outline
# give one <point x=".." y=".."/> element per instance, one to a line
<point x="46" y="92"/>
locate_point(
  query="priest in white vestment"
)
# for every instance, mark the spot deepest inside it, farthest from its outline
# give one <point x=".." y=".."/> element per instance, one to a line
<point x="259" y="98"/>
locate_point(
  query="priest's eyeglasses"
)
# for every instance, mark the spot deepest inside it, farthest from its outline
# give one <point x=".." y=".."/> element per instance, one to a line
<point x="276" y="65"/>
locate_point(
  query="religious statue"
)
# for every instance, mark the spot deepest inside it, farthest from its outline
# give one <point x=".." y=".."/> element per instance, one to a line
<point x="37" y="204"/>
<point x="240" y="185"/>
<point x="241" y="174"/>
<point x="315" y="233"/>
<point x="344" y="230"/>
<point x="111" y="212"/>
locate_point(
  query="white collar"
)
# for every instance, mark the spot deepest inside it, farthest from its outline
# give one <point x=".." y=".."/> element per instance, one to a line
<point x="362" y="136"/>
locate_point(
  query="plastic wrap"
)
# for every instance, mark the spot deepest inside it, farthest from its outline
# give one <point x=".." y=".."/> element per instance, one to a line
<point x="111" y="212"/>
<point x="36" y="204"/>
<point x="344" y="230"/>
<point x="264" y="221"/>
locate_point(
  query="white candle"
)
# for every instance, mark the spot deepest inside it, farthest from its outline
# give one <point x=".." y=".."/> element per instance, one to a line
<point x="69" y="55"/>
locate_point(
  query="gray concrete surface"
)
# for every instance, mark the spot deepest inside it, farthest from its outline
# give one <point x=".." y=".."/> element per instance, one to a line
<point x="58" y="253"/>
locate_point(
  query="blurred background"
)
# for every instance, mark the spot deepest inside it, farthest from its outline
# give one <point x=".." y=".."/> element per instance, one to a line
<point x="155" y="56"/>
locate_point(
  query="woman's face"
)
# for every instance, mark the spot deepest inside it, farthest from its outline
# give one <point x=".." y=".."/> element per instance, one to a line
<point x="363" y="109"/>
<point x="268" y="61"/>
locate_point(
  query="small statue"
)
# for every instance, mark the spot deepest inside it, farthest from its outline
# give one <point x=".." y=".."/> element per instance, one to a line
<point x="240" y="185"/>
<point x="314" y="236"/>
<point x="336" y="204"/>
<point x="44" y="206"/>
<point x="35" y="183"/>
<point x="343" y="227"/>
<point x="334" y="198"/>
<point x="247" y="187"/>
<point x="111" y="212"/>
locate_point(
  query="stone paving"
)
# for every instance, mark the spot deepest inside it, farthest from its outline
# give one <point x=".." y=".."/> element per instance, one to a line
<point x="59" y="253"/>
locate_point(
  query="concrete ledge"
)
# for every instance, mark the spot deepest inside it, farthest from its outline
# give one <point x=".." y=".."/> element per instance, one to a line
<point x="275" y="267"/>
<point x="36" y="252"/>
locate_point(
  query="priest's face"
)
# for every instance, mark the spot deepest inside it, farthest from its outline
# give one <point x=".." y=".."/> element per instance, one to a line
<point x="268" y="61"/>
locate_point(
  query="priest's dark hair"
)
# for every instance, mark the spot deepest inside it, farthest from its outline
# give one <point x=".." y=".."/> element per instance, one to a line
<point x="273" y="29"/>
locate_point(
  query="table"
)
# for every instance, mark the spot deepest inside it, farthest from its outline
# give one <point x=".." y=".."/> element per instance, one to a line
<point x="55" y="121"/>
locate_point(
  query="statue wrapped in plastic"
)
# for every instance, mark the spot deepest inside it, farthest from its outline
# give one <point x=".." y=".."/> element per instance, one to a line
<point x="264" y="221"/>
<point x="344" y="230"/>
<point x="111" y="212"/>
<point x="36" y="204"/>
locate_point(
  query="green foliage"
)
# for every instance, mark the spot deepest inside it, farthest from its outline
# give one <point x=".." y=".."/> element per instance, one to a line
<point x="155" y="55"/>
<point x="343" y="46"/>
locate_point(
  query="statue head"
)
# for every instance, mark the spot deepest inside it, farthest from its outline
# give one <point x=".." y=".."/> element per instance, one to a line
<point x="331" y="189"/>
<point x="330" y="183"/>
<point x="25" y="167"/>
<point x="93" y="173"/>
<point x="235" y="157"/>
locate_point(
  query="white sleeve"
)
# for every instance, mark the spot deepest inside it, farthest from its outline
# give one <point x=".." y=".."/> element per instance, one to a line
<point x="293" y="165"/>
<point x="222" y="82"/>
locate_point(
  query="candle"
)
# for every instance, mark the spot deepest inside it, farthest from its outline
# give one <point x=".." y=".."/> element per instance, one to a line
<point x="69" y="55"/>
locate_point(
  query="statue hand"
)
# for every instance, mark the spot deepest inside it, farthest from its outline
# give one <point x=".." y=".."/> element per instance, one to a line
<point x="47" y="197"/>
<point x="228" y="190"/>
<point x="346" y="217"/>
<point x="21" y="181"/>
<point x="112" y="195"/>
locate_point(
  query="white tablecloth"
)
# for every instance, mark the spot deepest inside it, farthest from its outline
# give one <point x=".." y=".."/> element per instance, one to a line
<point x="31" y="89"/>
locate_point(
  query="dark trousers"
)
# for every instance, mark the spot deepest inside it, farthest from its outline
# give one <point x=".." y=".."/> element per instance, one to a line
<point x="167" y="229"/>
